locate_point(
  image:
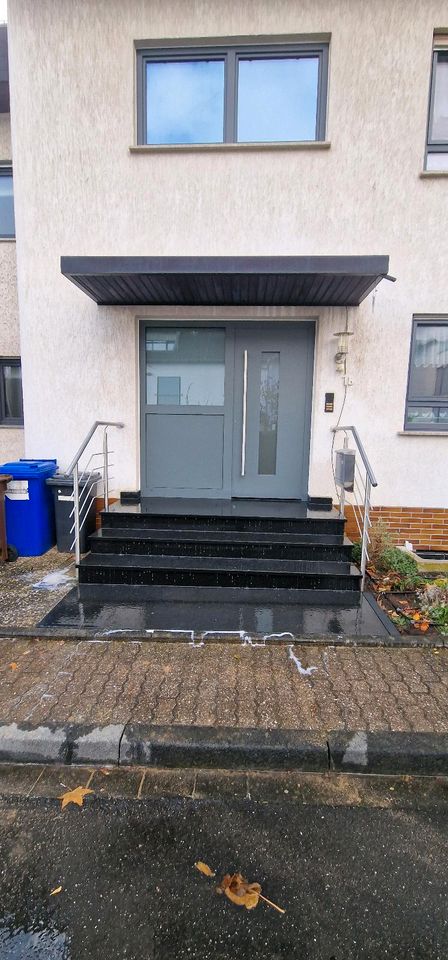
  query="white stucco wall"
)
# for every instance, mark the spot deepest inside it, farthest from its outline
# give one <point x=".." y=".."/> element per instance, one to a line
<point x="72" y="90"/>
<point x="11" y="439"/>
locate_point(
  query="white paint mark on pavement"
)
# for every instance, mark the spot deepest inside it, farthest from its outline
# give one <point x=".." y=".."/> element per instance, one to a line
<point x="58" y="578"/>
<point x="304" y="671"/>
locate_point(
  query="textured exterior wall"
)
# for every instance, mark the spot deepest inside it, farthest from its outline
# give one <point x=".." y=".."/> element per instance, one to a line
<point x="11" y="440"/>
<point x="91" y="196"/>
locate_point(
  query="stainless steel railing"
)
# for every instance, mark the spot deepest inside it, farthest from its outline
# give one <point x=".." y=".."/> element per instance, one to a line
<point x="94" y="475"/>
<point x="363" y="482"/>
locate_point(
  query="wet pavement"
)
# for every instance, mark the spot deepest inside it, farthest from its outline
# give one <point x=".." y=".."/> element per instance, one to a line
<point x="31" y="586"/>
<point x="359" y="879"/>
<point x="309" y="687"/>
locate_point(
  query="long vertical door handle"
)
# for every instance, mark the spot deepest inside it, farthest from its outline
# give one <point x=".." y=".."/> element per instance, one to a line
<point x="244" y="430"/>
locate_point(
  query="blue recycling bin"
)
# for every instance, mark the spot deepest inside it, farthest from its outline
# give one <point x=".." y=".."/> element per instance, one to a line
<point x="29" y="506"/>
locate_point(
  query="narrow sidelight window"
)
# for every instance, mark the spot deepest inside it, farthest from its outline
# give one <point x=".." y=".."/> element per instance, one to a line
<point x="427" y="400"/>
<point x="7" y="225"/>
<point x="437" y="145"/>
<point x="232" y="94"/>
<point x="11" y="403"/>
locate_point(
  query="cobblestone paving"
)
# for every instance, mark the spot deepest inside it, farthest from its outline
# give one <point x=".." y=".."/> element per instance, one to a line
<point x="223" y="684"/>
<point x="31" y="586"/>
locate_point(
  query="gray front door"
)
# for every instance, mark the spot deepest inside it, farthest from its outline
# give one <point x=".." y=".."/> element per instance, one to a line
<point x="226" y="410"/>
<point x="272" y="392"/>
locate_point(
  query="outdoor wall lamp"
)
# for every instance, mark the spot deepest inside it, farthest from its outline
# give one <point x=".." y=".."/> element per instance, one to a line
<point x="342" y="351"/>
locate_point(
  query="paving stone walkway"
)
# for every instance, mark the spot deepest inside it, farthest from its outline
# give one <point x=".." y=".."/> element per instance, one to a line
<point x="224" y="684"/>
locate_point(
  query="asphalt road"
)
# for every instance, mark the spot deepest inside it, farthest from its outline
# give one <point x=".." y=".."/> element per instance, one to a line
<point x="356" y="881"/>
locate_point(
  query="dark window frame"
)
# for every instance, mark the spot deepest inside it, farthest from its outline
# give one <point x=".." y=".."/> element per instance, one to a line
<point x="6" y="171"/>
<point x="435" y="146"/>
<point x="231" y="54"/>
<point x="6" y="421"/>
<point x="411" y="400"/>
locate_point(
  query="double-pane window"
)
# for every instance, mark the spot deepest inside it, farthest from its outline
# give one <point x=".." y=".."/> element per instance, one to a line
<point x="11" y="404"/>
<point x="437" y="147"/>
<point x="7" y="226"/>
<point x="427" y="401"/>
<point x="253" y="94"/>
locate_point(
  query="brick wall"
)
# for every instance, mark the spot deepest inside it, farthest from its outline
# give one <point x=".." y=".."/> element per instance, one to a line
<point x="424" y="527"/>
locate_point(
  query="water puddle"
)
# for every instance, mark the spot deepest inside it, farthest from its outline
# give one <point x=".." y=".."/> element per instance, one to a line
<point x="37" y="943"/>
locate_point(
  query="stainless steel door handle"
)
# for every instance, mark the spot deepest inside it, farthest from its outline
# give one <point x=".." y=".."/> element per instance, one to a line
<point x="244" y="430"/>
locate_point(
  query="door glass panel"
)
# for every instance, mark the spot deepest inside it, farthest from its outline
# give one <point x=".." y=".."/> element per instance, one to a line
<point x="269" y="394"/>
<point x="185" y="366"/>
<point x="277" y="99"/>
<point x="185" y="101"/>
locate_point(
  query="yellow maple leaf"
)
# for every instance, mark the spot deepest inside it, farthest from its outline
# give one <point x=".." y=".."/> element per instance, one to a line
<point x="74" y="796"/>
<point x="13" y="666"/>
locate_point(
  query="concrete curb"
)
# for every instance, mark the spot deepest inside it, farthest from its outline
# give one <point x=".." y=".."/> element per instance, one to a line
<point x="226" y="748"/>
<point x="60" y="743"/>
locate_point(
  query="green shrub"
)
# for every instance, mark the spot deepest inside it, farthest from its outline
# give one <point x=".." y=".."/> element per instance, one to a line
<point x="356" y="553"/>
<point x="434" y="603"/>
<point x="393" y="560"/>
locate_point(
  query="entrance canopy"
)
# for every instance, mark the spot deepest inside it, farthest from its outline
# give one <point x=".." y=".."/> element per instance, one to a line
<point x="226" y="281"/>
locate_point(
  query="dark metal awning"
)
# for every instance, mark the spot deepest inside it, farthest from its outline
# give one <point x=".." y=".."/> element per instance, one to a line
<point x="226" y="281"/>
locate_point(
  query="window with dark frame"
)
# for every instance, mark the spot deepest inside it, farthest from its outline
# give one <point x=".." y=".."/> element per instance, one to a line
<point x="232" y="94"/>
<point x="7" y="225"/>
<point x="427" y="396"/>
<point x="11" y="402"/>
<point x="437" y="139"/>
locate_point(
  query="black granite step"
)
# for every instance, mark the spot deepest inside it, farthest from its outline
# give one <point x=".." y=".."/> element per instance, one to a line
<point x="218" y="571"/>
<point x="220" y="543"/>
<point x="325" y="523"/>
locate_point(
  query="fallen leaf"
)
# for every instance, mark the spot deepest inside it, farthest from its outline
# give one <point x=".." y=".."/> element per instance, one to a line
<point x="416" y="616"/>
<point x="13" y="666"/>
<point x="74" y="796"/>
<point x="105" y="772"/>
<point x="424" y="626"/>
<point x="203" y="868"/>
<point x="55" y="891"/>
<point x="239" y="890"/>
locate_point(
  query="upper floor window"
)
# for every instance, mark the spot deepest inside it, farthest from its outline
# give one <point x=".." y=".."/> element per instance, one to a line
<point x="232" y="94"/>
<point x="427" y="401"/>
<point x="11" y="403"/>
<point x="7" y="226"/>
<point x="437" y="147"/>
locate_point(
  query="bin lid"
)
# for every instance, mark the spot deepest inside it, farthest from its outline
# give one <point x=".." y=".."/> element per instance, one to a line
<point x="29" y="469"/>
<point x="66" y="480"/>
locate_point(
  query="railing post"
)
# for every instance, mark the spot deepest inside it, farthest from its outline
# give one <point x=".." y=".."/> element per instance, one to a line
<point x="105" y="471"/>
<point x="76" y="513"/>
<point x="365" y="530"/>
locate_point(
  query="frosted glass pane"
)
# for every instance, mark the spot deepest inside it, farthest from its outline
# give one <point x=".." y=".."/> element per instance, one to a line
<point x="437" y="161"/>
<point x="185" y="366"/>
<point x="277" y="99"/>
<point x="7" y="227"/>
<point x="269" y="394"/>
<point x="429" y="367"/>
<point x="185" y="101"/>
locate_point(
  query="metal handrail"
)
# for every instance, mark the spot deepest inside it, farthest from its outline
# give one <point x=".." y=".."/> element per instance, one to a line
<point x="79" y="514"/>
<point x="89" y="435"/>
<point x="362" y="452"/>
<point x="364" y="522"/>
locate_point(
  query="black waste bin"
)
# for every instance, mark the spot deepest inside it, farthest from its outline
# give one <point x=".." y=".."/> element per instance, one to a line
<point x="62" y="487"/>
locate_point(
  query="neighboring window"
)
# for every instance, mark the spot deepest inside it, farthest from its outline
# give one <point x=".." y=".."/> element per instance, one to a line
<point x="7" y="227"/>
<point x="247" y="94"/>
<point x="427" y="401"/>
<point x="11" y="404"/>
<point x="437" y="147"/>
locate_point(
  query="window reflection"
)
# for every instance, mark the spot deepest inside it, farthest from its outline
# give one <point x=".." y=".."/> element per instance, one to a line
<point x="185" y="366"/>
<point x="185" y="101"/>
<point x="277" y="99"/>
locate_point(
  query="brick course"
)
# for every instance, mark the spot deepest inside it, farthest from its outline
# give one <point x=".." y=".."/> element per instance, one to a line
<point x="426" y="528"/>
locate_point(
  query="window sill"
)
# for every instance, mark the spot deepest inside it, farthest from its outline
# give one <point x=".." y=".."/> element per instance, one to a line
<point x="7" y="239"/>
<point x="422" y="433"/>
<point x="229" y="147"/>
<point x="433" y="174"/>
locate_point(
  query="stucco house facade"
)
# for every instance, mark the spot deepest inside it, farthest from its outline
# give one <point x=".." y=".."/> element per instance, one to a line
<point x="231" y="237"/>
